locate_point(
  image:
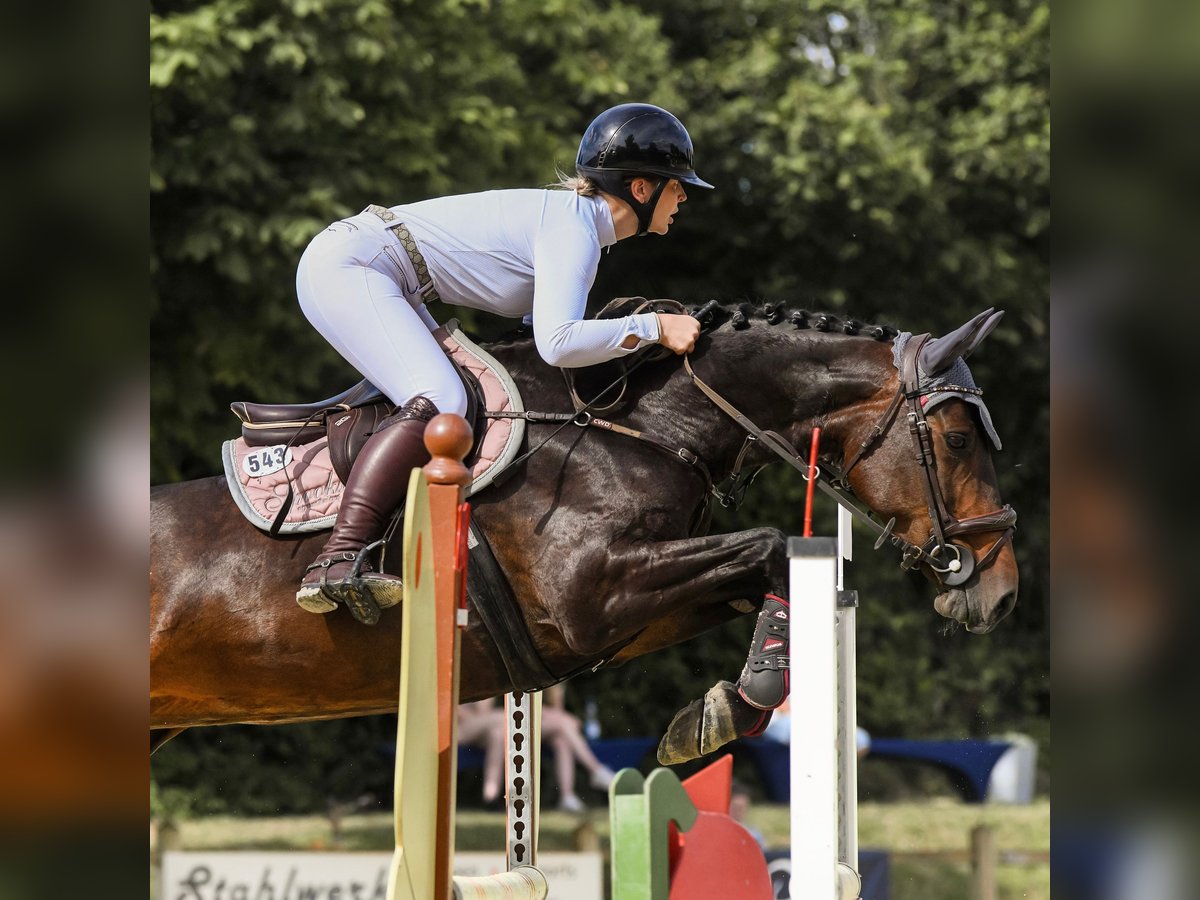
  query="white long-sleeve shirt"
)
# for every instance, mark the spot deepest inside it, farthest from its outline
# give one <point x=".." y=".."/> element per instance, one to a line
<point x="522" y="254"/>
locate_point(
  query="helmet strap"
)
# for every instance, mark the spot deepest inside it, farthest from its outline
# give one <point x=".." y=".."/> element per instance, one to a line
<point x="645" y="211"/>
<point x="614" y="183"/>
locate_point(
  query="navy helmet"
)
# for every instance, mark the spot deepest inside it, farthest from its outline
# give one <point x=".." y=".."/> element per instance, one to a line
<point x="637" y="139"/>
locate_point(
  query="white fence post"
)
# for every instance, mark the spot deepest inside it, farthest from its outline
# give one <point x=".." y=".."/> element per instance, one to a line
<point x="824" y="760"/>
<point x="847" y="691"/>
<point x="813" y="675"/>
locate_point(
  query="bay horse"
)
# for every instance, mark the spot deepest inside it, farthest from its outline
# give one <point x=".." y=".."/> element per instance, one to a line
<point x="602" y="536"/>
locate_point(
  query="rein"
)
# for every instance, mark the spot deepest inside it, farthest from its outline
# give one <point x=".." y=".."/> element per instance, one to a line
<point x="778" y="445"/>
<point x="584" y="419"/>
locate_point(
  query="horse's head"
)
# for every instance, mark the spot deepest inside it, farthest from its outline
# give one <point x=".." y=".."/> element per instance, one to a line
<point x="920" y="451"/>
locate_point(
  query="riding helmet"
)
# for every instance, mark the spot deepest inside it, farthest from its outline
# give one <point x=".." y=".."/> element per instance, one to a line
<point x="635" y="139"/>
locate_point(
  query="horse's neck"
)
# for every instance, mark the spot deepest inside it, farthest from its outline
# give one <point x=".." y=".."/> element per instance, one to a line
<point x="781" y="380"/>
<point x="788" y="382"/>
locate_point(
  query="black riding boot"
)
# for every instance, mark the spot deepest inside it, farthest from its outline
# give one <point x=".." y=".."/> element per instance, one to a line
<point x="376" y="488"/>
<point x="764" y="681"/>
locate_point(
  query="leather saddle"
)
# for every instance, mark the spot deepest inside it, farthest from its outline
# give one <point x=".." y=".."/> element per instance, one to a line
<point x="348" y="419"/>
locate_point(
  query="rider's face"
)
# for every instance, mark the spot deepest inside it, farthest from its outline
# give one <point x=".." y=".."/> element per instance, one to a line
<point x="668" y="202"/>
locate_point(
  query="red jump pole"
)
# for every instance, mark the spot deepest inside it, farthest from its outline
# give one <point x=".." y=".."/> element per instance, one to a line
<point x="812" y="480"/>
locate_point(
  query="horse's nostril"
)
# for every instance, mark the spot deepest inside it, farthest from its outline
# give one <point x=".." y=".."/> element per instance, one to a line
<point x="1007" y="604"/>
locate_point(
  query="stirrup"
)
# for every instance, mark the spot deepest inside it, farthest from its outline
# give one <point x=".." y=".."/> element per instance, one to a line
<point x="353" y="589"/>
<point x="386" y="590"/>
<point x="353" y="592"/>
<point x="314" y="598"/>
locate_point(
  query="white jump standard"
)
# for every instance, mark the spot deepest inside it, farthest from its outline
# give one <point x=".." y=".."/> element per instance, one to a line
<point x="824" y="761"/>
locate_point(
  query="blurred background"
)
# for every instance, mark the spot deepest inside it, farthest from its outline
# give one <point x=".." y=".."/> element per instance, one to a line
<point x="1124" y="325"/>
<point x="74" y="482"/>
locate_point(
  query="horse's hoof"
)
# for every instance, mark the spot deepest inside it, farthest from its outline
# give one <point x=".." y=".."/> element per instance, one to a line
<point x="310" y="598"/>
<point x="681" y="743"/>
<point x="703" y="726"/>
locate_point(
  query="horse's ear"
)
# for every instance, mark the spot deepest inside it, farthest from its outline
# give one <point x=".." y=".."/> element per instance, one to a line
<point x="939" y="354"/>
<point x="983" y="331"/>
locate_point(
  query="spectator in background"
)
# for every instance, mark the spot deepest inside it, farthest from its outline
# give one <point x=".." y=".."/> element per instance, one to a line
<point x="739" y="805"/>
<point x="563" y="732"/>
<point x="482" y="724"/>
<point x="780" y="729"/>
<point x="862" y="740"/>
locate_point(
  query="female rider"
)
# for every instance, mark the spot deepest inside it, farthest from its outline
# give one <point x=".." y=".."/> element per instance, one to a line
<point x="364" y="281"/>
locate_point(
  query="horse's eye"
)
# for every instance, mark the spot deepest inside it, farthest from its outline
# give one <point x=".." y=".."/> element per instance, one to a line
<point x="956" y="441"/>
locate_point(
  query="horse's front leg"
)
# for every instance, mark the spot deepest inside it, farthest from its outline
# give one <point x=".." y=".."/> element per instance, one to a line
<point x="637" y="584"/>
<point x="665" y="582"/>
<point x="723" y="714"/>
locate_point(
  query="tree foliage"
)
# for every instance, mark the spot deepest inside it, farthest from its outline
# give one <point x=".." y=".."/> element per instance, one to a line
<point x="887" y="161"/>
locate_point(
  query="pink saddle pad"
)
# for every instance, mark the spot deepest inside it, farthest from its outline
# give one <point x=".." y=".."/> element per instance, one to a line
<point x="258" y="476"/>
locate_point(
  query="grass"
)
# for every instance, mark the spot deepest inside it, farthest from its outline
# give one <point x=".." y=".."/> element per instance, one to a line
<point x="928" y="839"/>
<point x="930" y="842"/>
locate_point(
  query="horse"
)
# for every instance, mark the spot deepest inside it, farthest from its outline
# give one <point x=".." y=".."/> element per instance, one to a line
<point x="602" y="536"/>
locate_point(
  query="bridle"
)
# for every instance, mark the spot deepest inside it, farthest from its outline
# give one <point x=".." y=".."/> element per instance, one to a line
<point x="940" y="553"/>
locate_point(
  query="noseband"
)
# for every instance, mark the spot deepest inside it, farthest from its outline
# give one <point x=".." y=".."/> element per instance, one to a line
<point x="951" y="562"/>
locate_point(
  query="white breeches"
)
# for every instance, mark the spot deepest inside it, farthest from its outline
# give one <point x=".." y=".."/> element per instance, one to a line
<point x="358" y="288"/>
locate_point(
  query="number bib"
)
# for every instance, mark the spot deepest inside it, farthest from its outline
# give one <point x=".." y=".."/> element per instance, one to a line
<point x="262" y="461"/>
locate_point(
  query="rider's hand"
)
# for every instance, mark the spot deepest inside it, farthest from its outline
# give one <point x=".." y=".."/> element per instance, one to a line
<point x="677" y="333"/>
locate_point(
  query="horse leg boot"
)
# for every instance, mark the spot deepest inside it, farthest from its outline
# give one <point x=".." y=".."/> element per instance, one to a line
<point x="764" y="682"/>
<point x="730" y="711"/>
<point x="375" y="490"/>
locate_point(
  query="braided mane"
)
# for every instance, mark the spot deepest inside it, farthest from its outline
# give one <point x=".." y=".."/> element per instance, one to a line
<point x="740" y="315"/>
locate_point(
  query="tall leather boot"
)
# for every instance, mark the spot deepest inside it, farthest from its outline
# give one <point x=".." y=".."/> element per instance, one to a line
<point x="376" y="488"/>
